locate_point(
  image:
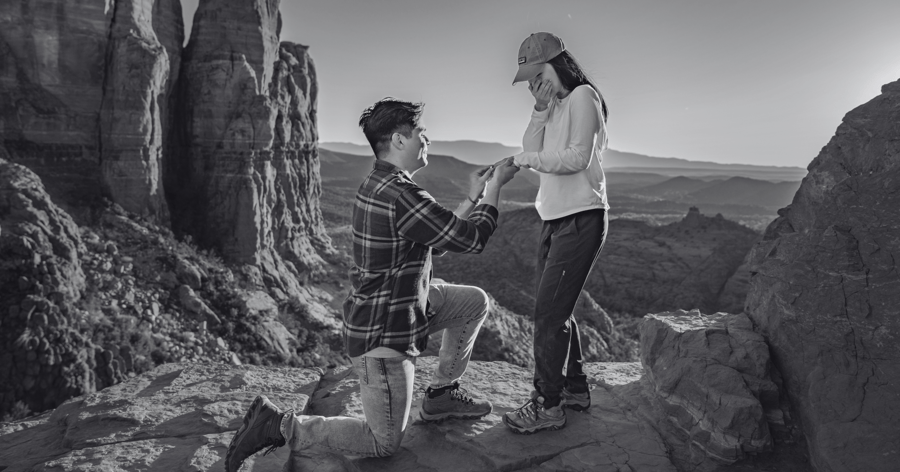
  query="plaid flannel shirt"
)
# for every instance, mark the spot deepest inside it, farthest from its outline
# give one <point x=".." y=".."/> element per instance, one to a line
<point x="395" y="226"/>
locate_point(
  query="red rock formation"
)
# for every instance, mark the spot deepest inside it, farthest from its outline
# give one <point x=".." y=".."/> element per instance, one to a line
<point x="826" y="290"/>
<point x="244" y="178"/>
<point x="139" y="74"/>
<point x="67" y="64"/>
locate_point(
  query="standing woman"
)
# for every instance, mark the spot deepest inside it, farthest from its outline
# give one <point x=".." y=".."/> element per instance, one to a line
<point x="563" y="143"/>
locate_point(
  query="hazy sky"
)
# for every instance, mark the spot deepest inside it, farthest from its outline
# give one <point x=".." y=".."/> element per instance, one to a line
<point x="733" y="81"/>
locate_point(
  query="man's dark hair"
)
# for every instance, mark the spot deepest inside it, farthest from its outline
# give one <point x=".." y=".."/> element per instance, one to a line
<point x="388" y="116"/>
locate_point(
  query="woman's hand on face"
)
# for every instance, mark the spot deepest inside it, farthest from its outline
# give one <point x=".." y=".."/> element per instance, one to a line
<point x="542" y="91"/>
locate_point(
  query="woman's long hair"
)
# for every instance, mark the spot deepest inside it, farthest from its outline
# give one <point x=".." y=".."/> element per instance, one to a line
<point x="571" y="75"/>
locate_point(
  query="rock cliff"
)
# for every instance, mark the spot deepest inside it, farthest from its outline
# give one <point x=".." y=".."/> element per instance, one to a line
<point x="100" y="99"/>
<point x="825" y="292"/>
<point x="244" y="163"/>
<point x="83" y="95"/>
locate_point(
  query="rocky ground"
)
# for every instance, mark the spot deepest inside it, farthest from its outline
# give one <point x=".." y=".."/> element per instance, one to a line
<point x="181" y="416"/>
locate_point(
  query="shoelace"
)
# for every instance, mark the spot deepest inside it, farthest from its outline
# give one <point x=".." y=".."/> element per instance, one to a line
<point x="460" y="394"/>
<point x="529" y="410"/>
<point x="271" y="442"/>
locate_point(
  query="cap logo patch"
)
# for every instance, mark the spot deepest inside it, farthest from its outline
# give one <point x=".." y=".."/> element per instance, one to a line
<point x="522" y="60"/>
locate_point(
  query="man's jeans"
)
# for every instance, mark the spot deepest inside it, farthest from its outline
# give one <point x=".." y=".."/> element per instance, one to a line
<point x="386" y="384"/>
<point x="569" y="247"/>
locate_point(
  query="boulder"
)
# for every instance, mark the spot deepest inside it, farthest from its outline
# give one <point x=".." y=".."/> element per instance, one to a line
<point x="188" y="273"/>
<point x="193" y="303"/>
<point x="276" y="338"/>
<point x="710" y="376"/>
<point x="257" y="303"/>
<point x="826" y="288"/>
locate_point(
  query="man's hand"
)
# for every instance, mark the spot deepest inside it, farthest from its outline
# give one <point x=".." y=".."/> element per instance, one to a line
<point x="542" y="91"/>
<point x="505" y="170"/>
<point x="477" y="181"/>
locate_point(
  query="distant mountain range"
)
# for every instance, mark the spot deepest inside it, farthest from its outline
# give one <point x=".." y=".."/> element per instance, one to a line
<point x="480" y="153"/>
<point x="646" y="196"/>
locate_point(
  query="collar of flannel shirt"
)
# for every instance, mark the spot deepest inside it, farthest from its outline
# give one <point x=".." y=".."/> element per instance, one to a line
<point x="390" y="168"/>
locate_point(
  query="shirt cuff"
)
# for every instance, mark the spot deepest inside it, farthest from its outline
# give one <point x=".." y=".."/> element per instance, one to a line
<point x="521" y="159"/>
<point x="540" y="116"/>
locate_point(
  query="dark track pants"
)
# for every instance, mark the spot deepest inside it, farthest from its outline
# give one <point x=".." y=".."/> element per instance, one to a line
<point x="569" y="247"/>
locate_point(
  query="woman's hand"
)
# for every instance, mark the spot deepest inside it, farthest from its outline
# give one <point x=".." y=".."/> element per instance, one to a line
<point x="505" y="171"/>
<point x="542" y="91"/>
<point x="477" y="182"/>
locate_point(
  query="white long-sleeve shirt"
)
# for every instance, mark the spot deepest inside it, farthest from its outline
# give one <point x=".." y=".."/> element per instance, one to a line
<point x="563" y="143"/>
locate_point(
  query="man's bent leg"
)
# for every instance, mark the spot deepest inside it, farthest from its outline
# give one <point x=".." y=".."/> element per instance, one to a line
<point x="459" y="310"/>
<point x="386" y="387"/>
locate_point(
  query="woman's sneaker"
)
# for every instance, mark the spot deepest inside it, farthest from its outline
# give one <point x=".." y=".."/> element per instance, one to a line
<point x="533" y="416"/>
<point x="453" y="402"/>
<point x="576" y="401"/>
<point x="261" y="428"/>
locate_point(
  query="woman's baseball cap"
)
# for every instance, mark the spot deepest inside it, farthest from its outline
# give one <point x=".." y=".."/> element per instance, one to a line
<point x="534" y="52"/>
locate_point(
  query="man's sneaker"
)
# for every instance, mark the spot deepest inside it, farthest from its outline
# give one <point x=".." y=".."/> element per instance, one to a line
<point x="261" y="428"/>
<point x="533" y="416"/>
<point x="576" y="401"/>
<point x="455" y="402"/>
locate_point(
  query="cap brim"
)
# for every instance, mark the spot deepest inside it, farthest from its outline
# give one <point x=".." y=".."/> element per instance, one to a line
<point x="527" y="71"/>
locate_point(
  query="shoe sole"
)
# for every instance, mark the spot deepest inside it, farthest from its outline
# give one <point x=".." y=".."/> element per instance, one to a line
<point x="520" y="430"/>
<point x="449" y="416"/>
<point x="578" y="407"/>
<point x="245" y="426"/>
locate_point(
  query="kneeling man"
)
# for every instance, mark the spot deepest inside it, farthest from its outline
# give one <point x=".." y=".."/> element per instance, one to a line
<point x="393" y="306"/>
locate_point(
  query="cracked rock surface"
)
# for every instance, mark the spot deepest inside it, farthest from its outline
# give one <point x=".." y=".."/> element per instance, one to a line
<point x="181" y="417"/>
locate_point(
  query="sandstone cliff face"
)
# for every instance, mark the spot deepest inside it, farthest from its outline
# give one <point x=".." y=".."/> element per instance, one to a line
<point x="64" y="66"/>
<point x="140" y="70"/>
<point x="826" y="290"/>
<point x="244" y="170"/>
